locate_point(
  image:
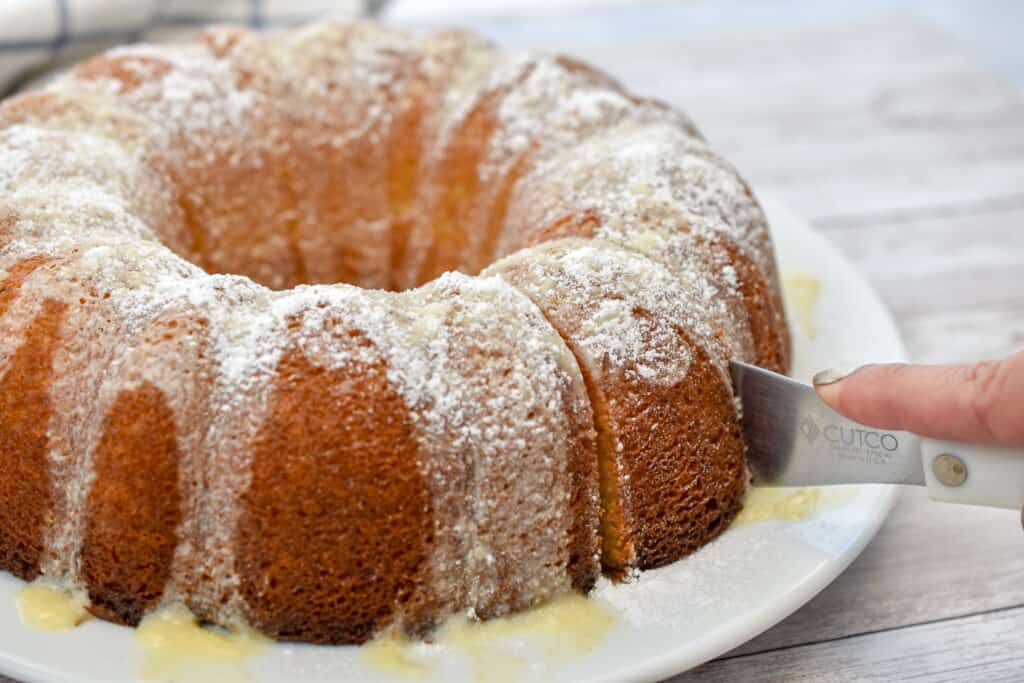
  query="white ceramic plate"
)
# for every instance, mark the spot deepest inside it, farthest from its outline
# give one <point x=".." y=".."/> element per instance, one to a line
<point x="669" y="620"/>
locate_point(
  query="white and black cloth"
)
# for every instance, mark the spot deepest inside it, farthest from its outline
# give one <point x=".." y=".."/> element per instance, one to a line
<point x="39" y="35"/>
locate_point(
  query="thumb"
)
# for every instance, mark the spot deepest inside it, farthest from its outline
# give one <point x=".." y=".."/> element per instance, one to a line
<point x="980" y="403"/>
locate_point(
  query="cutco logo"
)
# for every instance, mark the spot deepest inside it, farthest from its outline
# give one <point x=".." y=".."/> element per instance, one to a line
<point x="851" y="438"/>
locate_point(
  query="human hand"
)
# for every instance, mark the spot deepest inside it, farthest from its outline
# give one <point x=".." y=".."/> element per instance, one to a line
<point x="977" y="403"/>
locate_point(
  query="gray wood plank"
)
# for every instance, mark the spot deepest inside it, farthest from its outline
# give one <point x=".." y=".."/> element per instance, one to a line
<point x="984" y="647"/>
<point x="954" y="283"/>
<point x="941" y="264"/>
<point x="964" y="335"/>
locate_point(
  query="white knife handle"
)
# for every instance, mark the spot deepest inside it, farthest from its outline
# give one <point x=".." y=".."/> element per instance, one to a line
<point x="974" y="475"/>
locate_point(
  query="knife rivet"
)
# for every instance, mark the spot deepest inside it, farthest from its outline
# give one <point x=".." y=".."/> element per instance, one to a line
<point x="949" y="469"/>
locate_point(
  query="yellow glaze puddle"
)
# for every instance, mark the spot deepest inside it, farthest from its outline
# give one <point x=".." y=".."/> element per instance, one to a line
<point x="770" y="504"/>
<point x="177" y="649"/>
<point x="48" y="607"/>
<point x="503" y="649"/>
<point x="399" y="657"/>
<point x="802" y="291"/>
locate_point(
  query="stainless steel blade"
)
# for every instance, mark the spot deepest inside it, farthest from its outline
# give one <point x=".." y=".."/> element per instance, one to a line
<point x="794" y="439"/>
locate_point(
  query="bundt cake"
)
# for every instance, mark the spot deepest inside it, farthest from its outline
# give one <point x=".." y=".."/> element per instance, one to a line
<point x="238" y="373"/>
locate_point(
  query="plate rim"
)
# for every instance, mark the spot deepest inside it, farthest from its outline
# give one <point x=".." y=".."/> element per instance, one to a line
<point x="738" y="632"/>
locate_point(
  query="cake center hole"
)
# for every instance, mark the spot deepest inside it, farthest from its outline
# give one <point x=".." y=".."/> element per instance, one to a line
<point x="302" y="221"/>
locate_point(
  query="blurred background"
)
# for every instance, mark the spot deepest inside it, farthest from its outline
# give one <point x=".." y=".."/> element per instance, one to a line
<point x="989" y="28"/>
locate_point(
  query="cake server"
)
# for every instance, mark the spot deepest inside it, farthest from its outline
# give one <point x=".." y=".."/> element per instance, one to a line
<point x="794" y="439"/>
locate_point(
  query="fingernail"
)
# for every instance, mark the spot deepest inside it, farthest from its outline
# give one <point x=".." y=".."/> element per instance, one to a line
<point x="831" y="376"/>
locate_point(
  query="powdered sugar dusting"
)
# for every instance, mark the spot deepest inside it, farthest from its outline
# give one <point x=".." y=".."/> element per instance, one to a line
<point x="623" y="310"/>
<point x="554" y="106"/>
<point x="643" y="177"/>
<point x="183" y="87"/>
<point x="92" y="172"/>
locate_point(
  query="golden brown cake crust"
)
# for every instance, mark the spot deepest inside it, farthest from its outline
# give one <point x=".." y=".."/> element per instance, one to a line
<point x="24" y="416"/>
<point x="337" y="519"/>
<point x="134" y="508"/>
<point x="687" y="474"/>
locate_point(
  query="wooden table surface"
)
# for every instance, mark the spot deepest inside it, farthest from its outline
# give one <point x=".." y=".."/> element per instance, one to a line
<point x="899" y="145"/>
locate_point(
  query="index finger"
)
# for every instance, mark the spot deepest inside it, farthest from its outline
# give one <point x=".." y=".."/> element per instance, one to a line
<point x="979" y="403"/>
